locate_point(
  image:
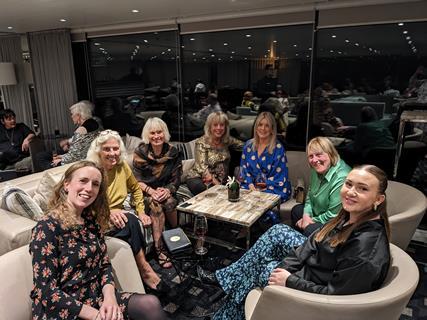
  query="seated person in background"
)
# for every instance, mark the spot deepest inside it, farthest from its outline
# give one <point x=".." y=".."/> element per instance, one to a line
<point x="212" y="155"/>
<point x="157" y="167"/>
<point x="370" y="133"/>
<point x="247" y="100"/>
<point x="212" y="106"/>
<point x="349" y="255"/>
<point x="263" y="163"/>
<point x="327" y="176"/>
<point x="72" y="274"/>
<point x="109" y="152"/>
<point x="280" y="113"/>
<point x="78" y="144"/>
<point x="266" y="86"/>
<point x="14" y="141"/>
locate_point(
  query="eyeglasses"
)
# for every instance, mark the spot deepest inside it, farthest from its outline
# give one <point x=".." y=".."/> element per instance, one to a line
<point x="108" y="132"/>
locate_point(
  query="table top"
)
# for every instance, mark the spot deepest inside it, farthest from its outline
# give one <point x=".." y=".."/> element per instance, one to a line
<point x="213" y="203"/>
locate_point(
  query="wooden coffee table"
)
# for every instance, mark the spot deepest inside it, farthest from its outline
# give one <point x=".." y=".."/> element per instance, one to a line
<point x="213" y="204"/>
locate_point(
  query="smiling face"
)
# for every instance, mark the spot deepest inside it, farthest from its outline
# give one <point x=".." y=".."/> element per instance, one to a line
<point x="217" y="130"/>
<point x="110" y="153"/>
<point x="264" y="130"/>
<point x="360" y="192"/>
<point x="319" y="161"/>
<point x="156" y="137"/>
<point x="83" y="187"/>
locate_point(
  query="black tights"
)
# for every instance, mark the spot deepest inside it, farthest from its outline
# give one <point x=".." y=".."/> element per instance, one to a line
<point x="145" y="307"/>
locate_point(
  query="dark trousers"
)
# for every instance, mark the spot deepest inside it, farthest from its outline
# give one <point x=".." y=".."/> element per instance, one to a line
<point x="296" y="214"/>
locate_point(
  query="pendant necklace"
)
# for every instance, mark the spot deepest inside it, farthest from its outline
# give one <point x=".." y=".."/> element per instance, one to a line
<point x="11" y="137"/>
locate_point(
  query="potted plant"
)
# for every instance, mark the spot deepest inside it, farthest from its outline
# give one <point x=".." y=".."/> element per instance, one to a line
<point x="233" y="189"/>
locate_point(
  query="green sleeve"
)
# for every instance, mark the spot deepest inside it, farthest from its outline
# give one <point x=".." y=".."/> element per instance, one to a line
<point x="334" y="202"/>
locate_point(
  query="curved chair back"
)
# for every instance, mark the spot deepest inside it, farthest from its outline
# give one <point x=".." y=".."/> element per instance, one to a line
<point x="16" y="278"/>
<point x="406" y="207"/>
<point x="386" y="303"/>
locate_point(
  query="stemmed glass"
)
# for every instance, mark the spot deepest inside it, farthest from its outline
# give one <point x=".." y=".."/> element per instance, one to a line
<point x="200" y="230"/>
<point x="261" y="182"/>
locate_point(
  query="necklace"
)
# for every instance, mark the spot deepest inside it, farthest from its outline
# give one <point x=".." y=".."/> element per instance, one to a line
<point x="10" y="137"/>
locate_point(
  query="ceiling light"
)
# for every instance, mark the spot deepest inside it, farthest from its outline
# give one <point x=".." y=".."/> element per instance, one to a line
<point x="210" y="49"/>
<point x="137" y="46"/>
<point x="331" y="51"/>
<point x="246" y="58"/>
<point x="405" y="32"/>
<point x="356" y="44"/>
<point x="268" y="50"/>
<point x="135" y="10"/>
<point x="194" y="60"/>
<point x="63" y="20"/>
<point x="274" y="41"/>
<point x="265" y="56"/>
<point x="249" y="48"/>
<point x="146" y="41"/>
<point x="163" y="52"/>
<point x="102" y="49"/>
<point x="182" y="47"/>
<point x="231" y="57"/>
<point x="400" y="24"/>
<point x="219" y="59"/>
<point x="310" y="49"/>
<point x="295" y="45"/>
<point x="296" y="54"/>
<point x="334" y="36"/>
<point x="192" y="39"/>
<point x="225" y="44"/>
<point x="169" y="49"/>
<point x="339" y="52"/>
<point x="204" y="58"/>
<point x="212" y="55"/>
<point x="10" y="28"/>
<point x="408" y="38"/>
<point x="248" y="36"/>
<point x="410" y="41"/>
<point x="346" y="40"/>
<point x="194" y="53"/>
<point x="96" y="44"/>
<point x="233" y="52"/>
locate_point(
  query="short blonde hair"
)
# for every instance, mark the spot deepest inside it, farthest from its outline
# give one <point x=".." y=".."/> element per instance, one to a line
<point x="217" y="117"/>
<point x="323" y="144"/>
<point x="272" y="122"/>
<point x="154" y="124"/>
<point x="84" y="108"/>
<point x="96" y="145"/>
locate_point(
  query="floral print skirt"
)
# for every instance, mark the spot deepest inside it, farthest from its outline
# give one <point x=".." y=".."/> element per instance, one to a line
<point x="254" y="268"/>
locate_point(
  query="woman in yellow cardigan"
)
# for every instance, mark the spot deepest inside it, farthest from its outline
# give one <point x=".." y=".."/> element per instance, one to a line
<point x="108" y="151"/>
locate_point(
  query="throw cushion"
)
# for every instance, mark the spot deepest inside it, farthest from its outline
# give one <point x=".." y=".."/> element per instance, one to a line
<point x="131" y="143"/>
<point x="45" y="190"/>
<point x="16" y="200"/>
<point x="183" y="193"/>
<point x="186" y="166"/>
<point x="186" y="148"/>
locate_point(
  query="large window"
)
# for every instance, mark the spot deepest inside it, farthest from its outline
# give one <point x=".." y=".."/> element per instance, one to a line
<point x="269" y="62"/>
<point x="133" y="77"/>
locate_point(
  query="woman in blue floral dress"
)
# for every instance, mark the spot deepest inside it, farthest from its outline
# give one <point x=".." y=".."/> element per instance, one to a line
<point x="72" y="274"/>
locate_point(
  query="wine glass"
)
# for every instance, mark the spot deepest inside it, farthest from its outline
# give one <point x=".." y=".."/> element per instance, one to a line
<point x="261" y="182"/>
<point x="200" y="229"/>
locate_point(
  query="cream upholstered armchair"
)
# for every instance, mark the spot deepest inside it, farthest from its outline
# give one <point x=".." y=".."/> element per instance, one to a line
<point x="16" y="278"/>
<point x="386" y="303"/>
<point x="405" y="207"/>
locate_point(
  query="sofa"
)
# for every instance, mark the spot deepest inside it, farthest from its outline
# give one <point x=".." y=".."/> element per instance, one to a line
<point x="16" y="278"/>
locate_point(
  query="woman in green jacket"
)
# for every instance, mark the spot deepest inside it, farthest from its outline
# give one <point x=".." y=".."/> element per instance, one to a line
<point x="327" y="176"/>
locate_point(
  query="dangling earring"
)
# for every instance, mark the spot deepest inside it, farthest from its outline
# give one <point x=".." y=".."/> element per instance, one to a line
<point x="375" y="206"/>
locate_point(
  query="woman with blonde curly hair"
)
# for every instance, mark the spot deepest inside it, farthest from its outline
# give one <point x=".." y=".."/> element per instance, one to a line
<point x="212" y="155"/>
<point x="72" y="273"/>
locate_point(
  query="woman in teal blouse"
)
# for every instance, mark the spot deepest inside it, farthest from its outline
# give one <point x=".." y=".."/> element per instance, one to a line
<point x="323" y="201"/>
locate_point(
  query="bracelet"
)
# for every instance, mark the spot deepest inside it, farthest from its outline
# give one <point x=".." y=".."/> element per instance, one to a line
<point x="97" y="315"/>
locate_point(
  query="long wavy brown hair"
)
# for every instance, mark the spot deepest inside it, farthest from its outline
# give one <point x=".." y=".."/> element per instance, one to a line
<point x="343" y="215"/>
<point x="60" y="209"/>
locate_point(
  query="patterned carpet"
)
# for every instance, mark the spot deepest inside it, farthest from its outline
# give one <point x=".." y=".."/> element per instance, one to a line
<point x="191" y="299"/>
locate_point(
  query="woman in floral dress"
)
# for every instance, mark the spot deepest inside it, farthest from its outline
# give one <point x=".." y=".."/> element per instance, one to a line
<point x="72" y="274"/>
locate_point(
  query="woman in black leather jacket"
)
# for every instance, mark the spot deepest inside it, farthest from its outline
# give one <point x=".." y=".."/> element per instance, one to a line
<point x="348" y="255"/>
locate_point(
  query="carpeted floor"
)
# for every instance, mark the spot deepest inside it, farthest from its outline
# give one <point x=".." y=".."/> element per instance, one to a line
<point x="191" y="299"/>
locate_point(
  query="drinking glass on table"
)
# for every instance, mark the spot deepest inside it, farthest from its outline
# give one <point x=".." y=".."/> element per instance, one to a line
<point x="200" y="230"/>
<point x="261" y="182"/>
